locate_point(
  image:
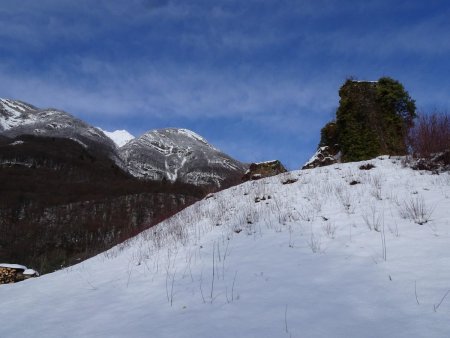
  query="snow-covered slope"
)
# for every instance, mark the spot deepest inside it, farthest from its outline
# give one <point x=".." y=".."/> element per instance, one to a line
<point x="15" y="113"/>
<point x="180" y="154"/>
<point x="119" y="137"/>
<point x="340" y="252"/>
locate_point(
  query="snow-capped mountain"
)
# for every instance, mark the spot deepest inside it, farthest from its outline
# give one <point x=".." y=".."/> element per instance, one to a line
<point x="179" y="154"/>
<point x="335" y="251"/>
<point x="119" y="137"/>
<point x="166" y="154"/>
<point x="19" y="118"/>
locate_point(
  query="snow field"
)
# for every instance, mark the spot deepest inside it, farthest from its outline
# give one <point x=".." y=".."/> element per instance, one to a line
<point x="315" y="258"/>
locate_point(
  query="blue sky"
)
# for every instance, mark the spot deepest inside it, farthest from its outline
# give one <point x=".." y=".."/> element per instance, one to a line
<point x="258" y="79"/>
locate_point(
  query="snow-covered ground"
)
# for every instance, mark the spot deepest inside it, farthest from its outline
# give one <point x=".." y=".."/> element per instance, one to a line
<point x="341" y="252"/>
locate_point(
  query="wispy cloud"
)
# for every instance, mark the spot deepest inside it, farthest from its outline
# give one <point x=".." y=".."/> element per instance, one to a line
<point x="160" y="90"/>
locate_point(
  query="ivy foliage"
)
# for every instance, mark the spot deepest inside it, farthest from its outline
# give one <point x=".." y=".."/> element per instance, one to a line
<point x="373" y="119"/>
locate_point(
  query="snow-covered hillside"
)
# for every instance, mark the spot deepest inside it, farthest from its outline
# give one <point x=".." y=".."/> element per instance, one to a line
<point x="330" y="252"/>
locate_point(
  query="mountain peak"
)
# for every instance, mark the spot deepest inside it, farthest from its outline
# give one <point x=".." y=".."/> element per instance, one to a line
<point x="180" y="154"/>
<point x="119" y="137"/>
<point x="178" y="135"/>
<point x="186" y="132"/>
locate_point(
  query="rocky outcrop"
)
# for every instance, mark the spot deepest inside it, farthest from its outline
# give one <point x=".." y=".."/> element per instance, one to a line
<point x="260" y="170"/>
<point x="436" y="163"/>
<point x="324" y="156"/>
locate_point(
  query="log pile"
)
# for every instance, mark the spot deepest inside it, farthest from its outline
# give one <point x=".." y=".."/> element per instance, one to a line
<point x="13" y="273"/>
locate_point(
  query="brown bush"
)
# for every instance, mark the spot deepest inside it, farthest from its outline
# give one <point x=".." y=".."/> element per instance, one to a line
<point x="430" y="135"/>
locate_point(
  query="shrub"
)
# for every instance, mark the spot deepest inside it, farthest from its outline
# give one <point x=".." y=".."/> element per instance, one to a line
<point x="430" y="135"/>
<point x="416" y="210"/>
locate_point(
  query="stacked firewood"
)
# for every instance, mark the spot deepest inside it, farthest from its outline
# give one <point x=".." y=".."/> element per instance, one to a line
<point x="10" y="275"/>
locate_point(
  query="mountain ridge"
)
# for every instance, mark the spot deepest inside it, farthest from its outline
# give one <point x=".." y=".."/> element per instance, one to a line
<point x="169" y="154"/>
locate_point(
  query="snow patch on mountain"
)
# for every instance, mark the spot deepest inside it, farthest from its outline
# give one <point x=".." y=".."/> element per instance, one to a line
<point x="119" y="137"/>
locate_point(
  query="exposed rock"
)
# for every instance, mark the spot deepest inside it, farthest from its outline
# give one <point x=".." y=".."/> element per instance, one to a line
<point x="437" y="163"/>
<point x="260" y="170"/>
<point x="323" y="157"/>
<point x="289" y="181"/>
<point x="367" y="166"/>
